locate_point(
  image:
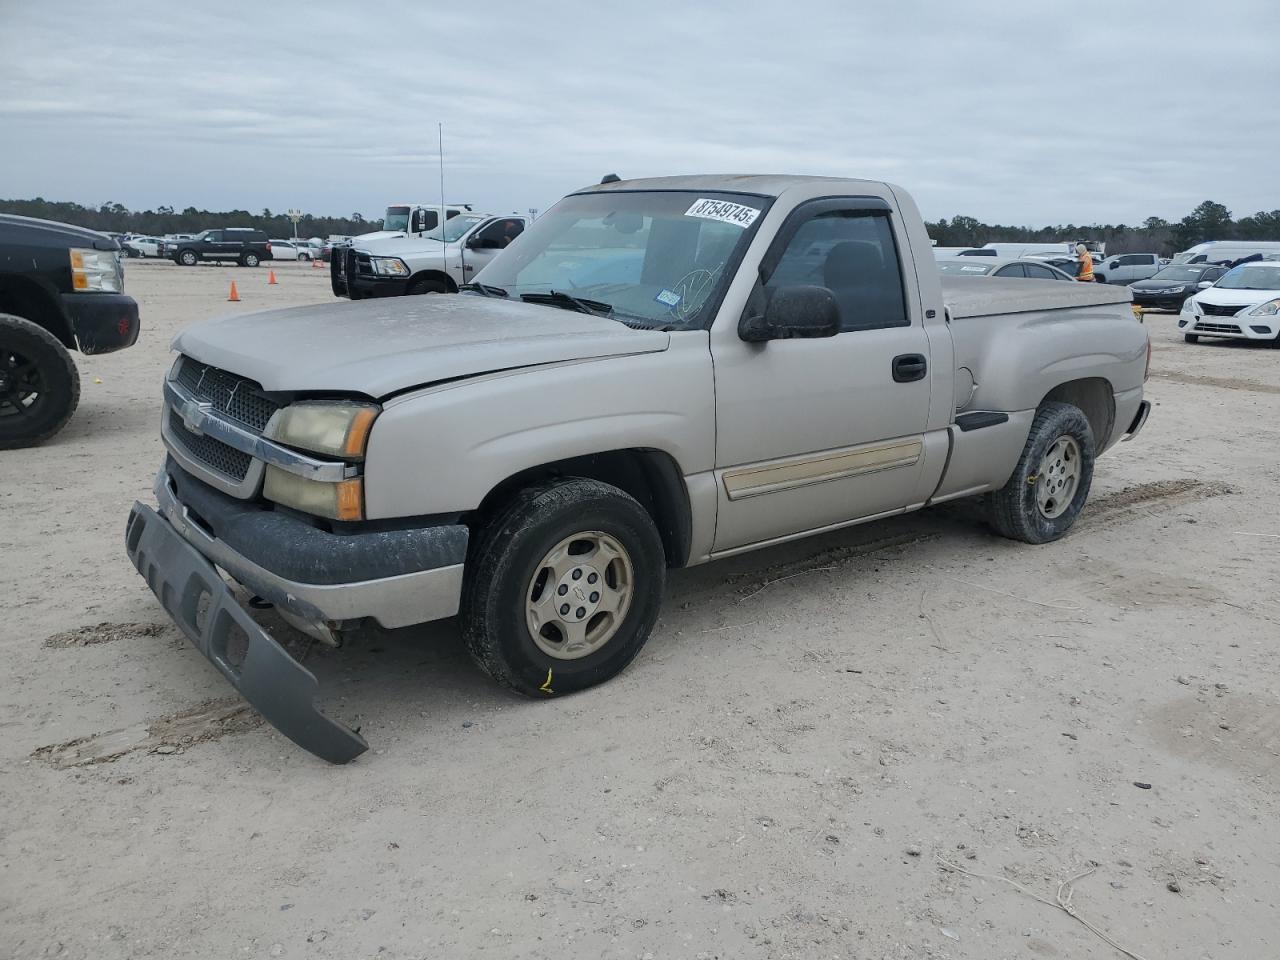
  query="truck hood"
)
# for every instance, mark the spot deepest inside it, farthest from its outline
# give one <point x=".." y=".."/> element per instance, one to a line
<point x="381" y="347"/>
<point x="362" y="239"/>
<point x="55" y="233"/>
<point x="397" y="244"/>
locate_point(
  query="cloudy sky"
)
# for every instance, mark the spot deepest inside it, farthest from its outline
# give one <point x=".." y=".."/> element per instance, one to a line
<point x="1009" y="111"/>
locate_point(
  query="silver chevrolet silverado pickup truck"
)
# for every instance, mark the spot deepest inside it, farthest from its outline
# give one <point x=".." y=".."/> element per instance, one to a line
<point x="656" y="374"/>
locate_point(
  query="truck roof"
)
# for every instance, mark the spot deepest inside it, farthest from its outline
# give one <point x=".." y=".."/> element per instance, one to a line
<point x="761" y="184"/>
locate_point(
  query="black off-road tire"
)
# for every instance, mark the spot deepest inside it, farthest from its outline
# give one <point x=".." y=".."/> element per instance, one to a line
<point x="425" y="285"/>
<point x="59" y="382"/>
<point x="501" y="566"/>
<point x="187" y="258"/>
<point x="1013" y="510"/>
<point x="250" y="260"/>
<point x="1191" y="337"/>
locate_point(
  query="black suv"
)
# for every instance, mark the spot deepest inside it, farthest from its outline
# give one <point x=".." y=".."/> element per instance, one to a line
<point x="245" y="246"/>
<point x="60" y="290"/>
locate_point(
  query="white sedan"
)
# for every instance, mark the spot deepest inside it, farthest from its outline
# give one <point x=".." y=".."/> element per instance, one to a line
<point x="283" y="250"/>
<point x="1244" y="304"/>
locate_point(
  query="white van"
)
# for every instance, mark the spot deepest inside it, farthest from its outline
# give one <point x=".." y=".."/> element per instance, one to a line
<point x="1228" y="251"/>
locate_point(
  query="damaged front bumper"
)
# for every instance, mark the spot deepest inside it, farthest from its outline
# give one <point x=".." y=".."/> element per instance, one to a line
<point x="318" y="580"/>
<point x="204" y="608"/>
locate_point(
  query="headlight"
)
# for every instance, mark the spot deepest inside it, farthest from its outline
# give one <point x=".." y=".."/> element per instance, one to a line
<point x="1189" y="305"/>
<point x="96" y="271"/>
<point x="389" y="267"/>
<point x="1175" y="289"/>
<point x="338" y="428"/>
<point x="338" y="501"/>
<point x="1268" y="309"/>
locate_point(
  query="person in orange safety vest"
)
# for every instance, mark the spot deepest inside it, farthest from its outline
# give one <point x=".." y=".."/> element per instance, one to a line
<point x="1085" y="271"/>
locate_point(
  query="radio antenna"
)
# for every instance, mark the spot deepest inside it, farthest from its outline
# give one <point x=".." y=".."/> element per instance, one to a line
<point x="444" y="247"/>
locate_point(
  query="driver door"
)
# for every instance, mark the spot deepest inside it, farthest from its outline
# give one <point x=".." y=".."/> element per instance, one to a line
<point x="487" y="241"/>
<point x="817" y="432"/>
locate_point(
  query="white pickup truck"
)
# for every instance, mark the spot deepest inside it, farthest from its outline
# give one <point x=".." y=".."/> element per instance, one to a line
<point x="438" y="261"/>
<point x="659" y="373"/>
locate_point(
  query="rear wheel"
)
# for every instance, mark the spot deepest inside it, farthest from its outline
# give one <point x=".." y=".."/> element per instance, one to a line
<point x="1191" y="338"/>
<point x="1051" y="482"/>
<point x="250" y="260"/>
<point x="39" y="383"/>
<point x="563" y="587"/>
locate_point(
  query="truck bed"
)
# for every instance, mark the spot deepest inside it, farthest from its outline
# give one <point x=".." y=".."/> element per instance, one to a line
<point x="986" y="296"/>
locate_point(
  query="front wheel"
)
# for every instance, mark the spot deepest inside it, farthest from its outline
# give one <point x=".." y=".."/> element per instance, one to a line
<point x="39" y="383"/>
<point x="1191" y="338"/>
<point x="563" y="587"/>
<point x="1051" y="482"/>
<point x="425" y="285"/>
<point x="188" y="258"/>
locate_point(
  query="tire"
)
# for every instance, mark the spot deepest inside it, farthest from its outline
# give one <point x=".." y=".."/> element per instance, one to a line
<point x="304" y="257"/>
<point x="250" y="260"/>
<point x="510" y="565"/>
<point x="1018" y="509"/>
<point x="188" y="258"/>
<point x="1191" y="337"/>
<point x="1099" y="278"/>
<point x="425" y="285"/>
<point x="39" y="383"/>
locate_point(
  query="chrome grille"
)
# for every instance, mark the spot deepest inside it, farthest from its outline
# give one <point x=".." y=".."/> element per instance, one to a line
<point x="1204" y="327"/>
<point x="214" y="454"/>
<point x="238" y="397"/>
<point x="1219" y="310"/>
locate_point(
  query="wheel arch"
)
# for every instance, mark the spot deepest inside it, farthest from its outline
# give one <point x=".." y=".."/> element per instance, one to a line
<point x="651" y="476"/>
<point x="440" y="275"/>
<point x="1095" y="398"/>
<point x="26" y="298"/>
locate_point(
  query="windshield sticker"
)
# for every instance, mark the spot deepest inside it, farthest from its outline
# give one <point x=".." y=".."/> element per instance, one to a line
<point x="669" y="298"/>
<point x="734" y="213"/>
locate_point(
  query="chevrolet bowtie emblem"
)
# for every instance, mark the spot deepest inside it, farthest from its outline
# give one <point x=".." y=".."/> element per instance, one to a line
<point x="193" y="414"/>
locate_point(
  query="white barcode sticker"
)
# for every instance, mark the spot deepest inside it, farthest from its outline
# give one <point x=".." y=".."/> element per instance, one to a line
<point x="740" y="215"/>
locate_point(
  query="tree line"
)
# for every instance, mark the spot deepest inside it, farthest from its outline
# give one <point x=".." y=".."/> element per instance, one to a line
<point x="115" y="218"/>
<point x="1208" y="221"/>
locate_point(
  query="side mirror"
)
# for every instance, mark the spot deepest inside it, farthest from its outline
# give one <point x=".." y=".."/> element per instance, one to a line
<point x="1204" y="284"/>
<point x="803" y="312"/>
<point x="419" y="224"/>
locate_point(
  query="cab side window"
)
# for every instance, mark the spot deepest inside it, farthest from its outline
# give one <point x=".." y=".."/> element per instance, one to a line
<point x="852" y="253"/>
<point x="499" y="233"/>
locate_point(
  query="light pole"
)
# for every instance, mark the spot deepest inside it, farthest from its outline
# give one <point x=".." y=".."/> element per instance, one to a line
<point x="295" y="216"/>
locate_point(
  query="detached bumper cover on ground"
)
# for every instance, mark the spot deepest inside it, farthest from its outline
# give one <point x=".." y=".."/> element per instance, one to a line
<point x="202" y="605"/>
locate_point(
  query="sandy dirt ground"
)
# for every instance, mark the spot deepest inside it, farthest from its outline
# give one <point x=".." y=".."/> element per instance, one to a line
<point x="812" y="734"/>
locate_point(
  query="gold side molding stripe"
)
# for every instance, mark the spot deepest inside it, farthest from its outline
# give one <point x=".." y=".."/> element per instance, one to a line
<point x="754" y="481"/>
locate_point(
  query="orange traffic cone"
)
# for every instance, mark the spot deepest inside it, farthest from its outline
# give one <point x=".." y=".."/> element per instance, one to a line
<point x="271" y="278"/>
<point x="233" y="297"/>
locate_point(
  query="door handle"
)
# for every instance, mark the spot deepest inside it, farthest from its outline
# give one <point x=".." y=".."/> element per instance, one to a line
<point x="909" y="367"/>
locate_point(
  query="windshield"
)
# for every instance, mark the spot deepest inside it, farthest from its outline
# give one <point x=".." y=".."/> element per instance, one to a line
<point x="1251" y="276"/>
<point x="397" y="218"/>
<point x="1180" y="273"/>
<point x="453" y="229"/>
<point x="964" y="266"/>
<point x="661" y="258"/>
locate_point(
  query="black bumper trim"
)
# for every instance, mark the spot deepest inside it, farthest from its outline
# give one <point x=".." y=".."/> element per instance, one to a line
<point x="103" y="322"/>
<point x="295" y="550"/>
<point x="277" y="686"/>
